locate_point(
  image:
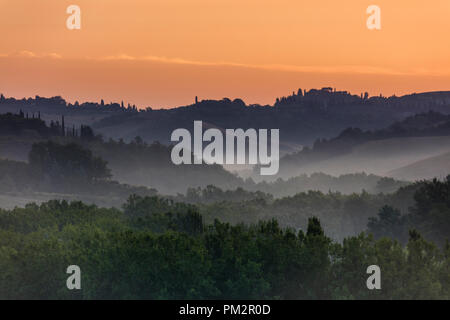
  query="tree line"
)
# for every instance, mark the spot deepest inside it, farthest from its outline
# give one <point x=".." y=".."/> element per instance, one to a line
<point x="156" y="248"/>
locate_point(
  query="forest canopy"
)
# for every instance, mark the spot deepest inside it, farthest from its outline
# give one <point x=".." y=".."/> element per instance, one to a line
<point x="158" y="249"/>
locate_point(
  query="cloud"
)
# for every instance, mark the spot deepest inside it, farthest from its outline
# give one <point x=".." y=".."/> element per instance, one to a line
<point x="30" y="54"/>
<point x="340" y="69"/>
<point x="349" y="69"/>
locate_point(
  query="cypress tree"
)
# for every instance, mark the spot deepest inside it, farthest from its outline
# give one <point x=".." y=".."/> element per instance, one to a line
<point x="63" y="128"/>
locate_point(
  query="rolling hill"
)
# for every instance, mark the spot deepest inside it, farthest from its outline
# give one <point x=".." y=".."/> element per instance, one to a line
<point x="437" y="166"/>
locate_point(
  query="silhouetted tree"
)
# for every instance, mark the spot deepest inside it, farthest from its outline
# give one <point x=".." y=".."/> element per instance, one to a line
<point x="68" y="163"/>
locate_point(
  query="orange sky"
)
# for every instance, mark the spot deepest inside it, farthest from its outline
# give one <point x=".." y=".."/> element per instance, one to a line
<point x="162" y="53"/>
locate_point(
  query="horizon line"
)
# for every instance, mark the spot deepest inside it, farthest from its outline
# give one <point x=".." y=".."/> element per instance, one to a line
<point x="199" y="101"/>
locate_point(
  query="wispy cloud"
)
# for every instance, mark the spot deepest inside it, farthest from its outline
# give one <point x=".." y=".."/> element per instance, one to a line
<point x="340" y="69"/>
<point x="350" y="69"/>
<point x="30" y="54"/>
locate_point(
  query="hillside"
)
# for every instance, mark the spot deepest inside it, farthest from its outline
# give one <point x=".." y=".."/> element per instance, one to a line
<point x="378" y="152"/>
<point x="301" y="117"/>
<point x="380" y="157"/>
<point x="435" y="166"/>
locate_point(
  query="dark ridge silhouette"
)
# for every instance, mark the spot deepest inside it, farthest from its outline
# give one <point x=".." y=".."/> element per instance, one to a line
<point x="301" y="117"/>
<point x="421" y="125"/>
<point x="424" y="125"/>
<point x="33" y="126"/>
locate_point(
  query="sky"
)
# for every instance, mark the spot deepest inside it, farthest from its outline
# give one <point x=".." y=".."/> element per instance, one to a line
<point x="163" y="53"/>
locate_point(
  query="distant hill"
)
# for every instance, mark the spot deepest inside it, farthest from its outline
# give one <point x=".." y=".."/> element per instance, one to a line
<point x="135" y="163"/>
<point x="21" y="125"/>
<point x="378" y="152"/>
<point x="435" y="166"/>
<point x="378" y="157"/>
<point x="363" y="127"/>
<point x="301" y="117"/>
<point x="140" y="164"/>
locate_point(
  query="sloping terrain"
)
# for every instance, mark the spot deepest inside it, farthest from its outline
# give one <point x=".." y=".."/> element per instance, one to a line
<point x="381" y="157"/>
<point x="433" y="167"/>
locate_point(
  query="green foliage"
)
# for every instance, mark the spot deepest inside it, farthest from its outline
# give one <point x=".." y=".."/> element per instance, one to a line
<point x="390" y="223"/>
<point x="430" y="214"/>
<point x="158" y="214"/>
<point x="169" y="254"/>
<point x="341" y="215"/>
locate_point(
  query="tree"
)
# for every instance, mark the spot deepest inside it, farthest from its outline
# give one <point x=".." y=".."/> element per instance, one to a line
<point x="86" y="133"/>
<point x="431" y="212"/>
<point x="69" y="163"/>
<point x="389" y="223"/>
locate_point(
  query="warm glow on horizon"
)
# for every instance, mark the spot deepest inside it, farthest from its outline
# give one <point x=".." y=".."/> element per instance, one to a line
<point x="162" y="53"/>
